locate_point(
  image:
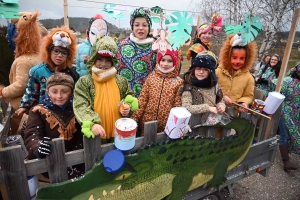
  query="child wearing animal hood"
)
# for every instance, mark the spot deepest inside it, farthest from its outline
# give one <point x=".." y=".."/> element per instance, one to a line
<point x="160" y="92"/>
<point x="98" y="94"/>
<point x="234" y="77"/>
<point x="58" y="52"/>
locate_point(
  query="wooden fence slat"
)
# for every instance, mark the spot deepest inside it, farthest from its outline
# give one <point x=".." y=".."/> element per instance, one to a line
<point x="14" y="173"/>
<point x="56" y="163"/>
<point x="92" y="151"/>
<point x="150" y="132"/>
<point x="6" y="123"/>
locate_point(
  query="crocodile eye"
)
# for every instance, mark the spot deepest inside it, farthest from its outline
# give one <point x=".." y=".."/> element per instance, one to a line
<point x="123" y="176"/>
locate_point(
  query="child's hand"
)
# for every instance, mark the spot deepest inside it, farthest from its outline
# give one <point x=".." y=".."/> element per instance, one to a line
<point x="124" y="109"/>
<point x="85" y="58"/>
<point x="227" y="100"/>
<point x="243" y="109"/>
<point x="98" y="130"/>
<point x="20" y="111"/>
<point x="221" y="108"/>
<point x="213" y="109"/>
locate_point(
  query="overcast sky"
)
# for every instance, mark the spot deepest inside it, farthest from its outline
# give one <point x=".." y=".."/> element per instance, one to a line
<point x="87" y="8"/>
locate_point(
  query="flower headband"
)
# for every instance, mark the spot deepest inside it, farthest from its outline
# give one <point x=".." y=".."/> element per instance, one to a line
<point x="216" y="24"/>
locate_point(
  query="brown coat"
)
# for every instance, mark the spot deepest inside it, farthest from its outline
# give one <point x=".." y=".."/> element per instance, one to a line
<point x="56" y="123"/>
<point x="18" y="78"/>
<point x="159" y="94"/>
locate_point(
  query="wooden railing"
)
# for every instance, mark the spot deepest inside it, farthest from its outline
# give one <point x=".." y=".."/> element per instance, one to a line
<point x="14" y="170"/>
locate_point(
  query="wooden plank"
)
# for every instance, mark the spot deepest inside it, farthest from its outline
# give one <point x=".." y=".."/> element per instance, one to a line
<point x="56" y="163"/>
<point x="259" y="94"/>
<point x="195" y="120"/>
<point x="14" y="173"/>
<point x="288" y="48"/>
<point x="150" y="132"/>
<point x="92" y="151"/>
<point x="6" y="123"/>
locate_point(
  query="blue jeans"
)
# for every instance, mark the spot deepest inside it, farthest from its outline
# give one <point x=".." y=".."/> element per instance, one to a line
<point x="284" y="134"/>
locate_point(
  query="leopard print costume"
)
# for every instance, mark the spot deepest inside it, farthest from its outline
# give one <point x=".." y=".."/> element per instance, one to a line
<point x="158" y="96"/>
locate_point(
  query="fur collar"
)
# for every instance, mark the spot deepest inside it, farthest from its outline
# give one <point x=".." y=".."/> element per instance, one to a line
<point x="141" y="42"/>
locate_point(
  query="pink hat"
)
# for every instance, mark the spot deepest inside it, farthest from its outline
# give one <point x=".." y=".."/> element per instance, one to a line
<point x="172" y="53"/>
<point x="216" y="24"/>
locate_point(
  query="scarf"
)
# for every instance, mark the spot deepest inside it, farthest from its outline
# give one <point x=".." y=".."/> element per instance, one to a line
<point x="103" y="75"/>
<point x="205" y="83"/>
<point x="139" y="41"/>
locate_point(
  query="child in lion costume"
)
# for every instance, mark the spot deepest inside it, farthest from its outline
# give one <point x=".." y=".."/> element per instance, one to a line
<point x="28" y="42"/>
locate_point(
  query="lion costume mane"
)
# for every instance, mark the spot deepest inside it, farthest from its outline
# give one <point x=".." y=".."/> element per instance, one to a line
<point x="48" y="43"/>
<point x="225" y="54"/>
<point x="28" y="40"/>
<point x="28" y="43"/>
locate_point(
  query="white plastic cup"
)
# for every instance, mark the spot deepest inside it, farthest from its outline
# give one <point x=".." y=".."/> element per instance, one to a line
<point x="33" y="184"/>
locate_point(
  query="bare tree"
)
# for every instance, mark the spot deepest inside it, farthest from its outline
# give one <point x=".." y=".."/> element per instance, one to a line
<point x="275" y="15"/>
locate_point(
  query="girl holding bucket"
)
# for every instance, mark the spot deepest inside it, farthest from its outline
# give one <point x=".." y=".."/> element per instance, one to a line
<point x="97" y="95"/>
<point x="160" y="92"/>
<point x="201" y="87"/>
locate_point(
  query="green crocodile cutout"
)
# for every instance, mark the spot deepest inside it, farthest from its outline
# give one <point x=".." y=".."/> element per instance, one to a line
<point x="164" y="170"/>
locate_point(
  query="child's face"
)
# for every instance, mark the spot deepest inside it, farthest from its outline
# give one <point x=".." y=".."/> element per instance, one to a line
<point x="238" y="58"/>
<point x="140" y="28"/>
<point x="201" y="73"/>
<point x="205" y="37"/>
<point x="59" y="55"/>
<point x="166" y="62"/>
<point x="60" y="94"/>
<point x="103" y="63"/>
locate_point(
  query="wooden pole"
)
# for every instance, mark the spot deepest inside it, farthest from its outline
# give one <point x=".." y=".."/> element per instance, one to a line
<point x="198" y="21"/>
<point x="285" y="61"/>
<point x="66" y="15"/>
<point x="288" y="48"/>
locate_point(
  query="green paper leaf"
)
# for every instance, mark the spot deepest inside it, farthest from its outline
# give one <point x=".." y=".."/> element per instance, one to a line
<point x="155" y="19"/>
<point x="168" y="20"/>
<point x="9" y="10"/>
<point x="114" y="14"/>
<point x="180" y="28"/>
<point x="156" y="10"/>
<point x="249" y="28"/>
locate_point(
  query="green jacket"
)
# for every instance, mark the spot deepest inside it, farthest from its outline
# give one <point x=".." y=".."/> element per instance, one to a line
<point x="84" y="95"/>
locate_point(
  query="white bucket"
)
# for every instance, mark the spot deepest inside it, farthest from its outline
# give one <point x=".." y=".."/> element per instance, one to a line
<point x="33" y="184"/>
<point x="272" y="102"/>
<point x="177" y="123"/>
<point x="125" y="134"/>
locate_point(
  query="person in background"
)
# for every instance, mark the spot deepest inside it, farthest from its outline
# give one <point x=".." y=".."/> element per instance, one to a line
<point x="135" y="55"/>
<point x="98" y="95"/>
<point x="233" y="73"/>
<point x="289" y="123"/>
<point x="201" y="87"/>
<point x="58" y="52"/>
<point x="53" y="118"/>
<point x="203" y="36"/>
<point x="27" y="55"/>
<point x="160" y="92"/>
<point x="12" y="33"/>
<point x="264" y="61"/>
<point x="97" y="28"/>
<point x="267" y="73"/>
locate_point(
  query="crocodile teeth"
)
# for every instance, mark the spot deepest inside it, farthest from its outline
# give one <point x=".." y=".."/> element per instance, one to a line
<point x="104" y="193"/>
<point x="91" y="197"/>
<point x="119" y="188"/>
<point x="112" y="192"/>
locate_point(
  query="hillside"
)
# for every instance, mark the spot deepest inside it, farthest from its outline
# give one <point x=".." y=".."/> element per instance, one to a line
<point x="77" y="23"/>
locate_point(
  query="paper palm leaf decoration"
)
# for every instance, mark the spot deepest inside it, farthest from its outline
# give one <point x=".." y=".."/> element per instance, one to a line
<point x="156" y="14"/>
<point x="112" y="12"/>
<point x="180" y="28"/>
<point x="249" y="28"/>
<point x="9" y="9"/>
